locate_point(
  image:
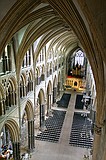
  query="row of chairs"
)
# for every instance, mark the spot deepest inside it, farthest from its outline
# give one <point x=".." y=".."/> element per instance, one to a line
<point x="79" y="103"/>
<point x="53" y="127"/>
<point x="80" y="133"/>
<point x="64" y="101"/>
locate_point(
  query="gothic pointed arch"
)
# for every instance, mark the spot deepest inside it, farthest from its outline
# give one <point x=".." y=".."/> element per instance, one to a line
<point x="11" y="134"/>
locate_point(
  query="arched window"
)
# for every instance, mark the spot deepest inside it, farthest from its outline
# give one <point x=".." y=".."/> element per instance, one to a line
<point x="79" y="57"/>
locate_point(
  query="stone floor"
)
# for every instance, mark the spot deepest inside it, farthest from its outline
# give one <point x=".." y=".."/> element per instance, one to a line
<point x="62" y="150"/>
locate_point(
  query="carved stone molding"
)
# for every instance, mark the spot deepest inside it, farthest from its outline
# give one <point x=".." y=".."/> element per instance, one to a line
<point x="97" y="129"/>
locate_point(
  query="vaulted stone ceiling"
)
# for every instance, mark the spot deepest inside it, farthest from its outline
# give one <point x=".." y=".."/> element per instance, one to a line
<point x="68" y="23"/>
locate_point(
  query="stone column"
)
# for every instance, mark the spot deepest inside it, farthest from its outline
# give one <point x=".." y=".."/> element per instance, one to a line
<point x="31" y="85"/>
<point x="13" y="98"/>
<point x="9" y="98"/>
<point x="104" y="154"/>
<point x="31" y="141"/>
<point x="29" y="135"/>
<point x="54" y="94"/>
<point x="49" y="101"/>
<point x="7" y="102"/>
<point x="23" y="63"/>
<point x="21" y="93"/>
<point x="29" y="57"/>
<point x="9" y="57"/>
<point x="24" y="91"/>
<point x="42" y="115"/>
<point x="26" y="59"/>
<point x="16" y="150"/>
<point x="39" y="80"/>
<point x="26" y="87"/>
<point x="97" y="139"/>
<point x="37" y="115"/>
<point x="17" y="144"/>
<point x="50" y="95"/>
<point x="50" y="104"/>
<point x="4" y="106"/>
<point x="4" y="62"/>
<point x="47" y="104"/>
<point x="36" y="81"/>
<point x="58" y="88"/>
<point x="32" y="135"/>
<point x="1" y="107"/>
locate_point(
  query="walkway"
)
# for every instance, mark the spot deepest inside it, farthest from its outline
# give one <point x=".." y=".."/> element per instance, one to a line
<point x="62" y="150"/>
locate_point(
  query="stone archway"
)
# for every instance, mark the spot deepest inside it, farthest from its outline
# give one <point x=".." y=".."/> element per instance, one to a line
<point x="12" y="130"/>
<point x="27" y="129"/>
